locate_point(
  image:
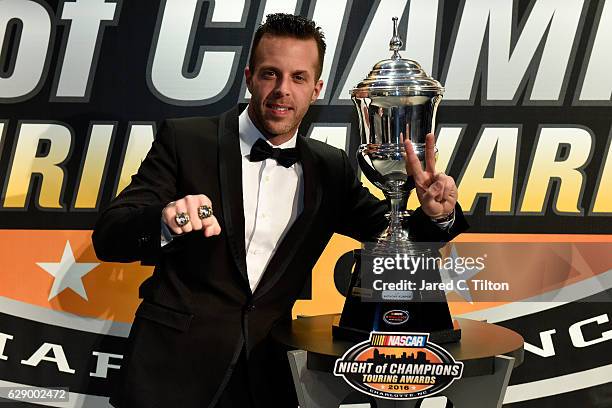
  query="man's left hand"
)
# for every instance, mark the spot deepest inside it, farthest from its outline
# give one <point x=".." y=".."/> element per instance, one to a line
<point x="437" y="192"/>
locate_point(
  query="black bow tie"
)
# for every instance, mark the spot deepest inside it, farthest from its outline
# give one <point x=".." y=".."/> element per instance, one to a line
<point x="261" y="150"/>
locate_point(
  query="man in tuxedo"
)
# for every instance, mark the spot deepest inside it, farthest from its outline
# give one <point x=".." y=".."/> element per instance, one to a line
<point x="234" y="211"/>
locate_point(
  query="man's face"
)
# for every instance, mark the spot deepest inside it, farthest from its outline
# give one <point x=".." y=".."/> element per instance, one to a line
<point x="282" y="84"/>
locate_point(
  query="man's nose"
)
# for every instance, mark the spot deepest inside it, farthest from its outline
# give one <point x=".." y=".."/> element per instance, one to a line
<point x="282" y="86"/>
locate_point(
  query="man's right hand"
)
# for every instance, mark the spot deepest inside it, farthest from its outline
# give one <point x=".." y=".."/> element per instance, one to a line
<point x="189" y="205"/>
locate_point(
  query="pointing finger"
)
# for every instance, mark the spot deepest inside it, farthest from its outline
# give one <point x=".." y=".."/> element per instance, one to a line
<point x="413" y="164"/>
<point x="430" y="153"/>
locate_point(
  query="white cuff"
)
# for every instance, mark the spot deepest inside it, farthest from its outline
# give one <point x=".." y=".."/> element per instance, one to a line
<point x="445" y="224"/>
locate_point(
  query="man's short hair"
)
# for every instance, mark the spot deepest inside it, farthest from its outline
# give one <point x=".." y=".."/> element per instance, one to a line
<point x="288" y="25"/>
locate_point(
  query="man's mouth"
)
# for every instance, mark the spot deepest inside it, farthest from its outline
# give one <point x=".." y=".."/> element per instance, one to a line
<point x="278" y="108"/>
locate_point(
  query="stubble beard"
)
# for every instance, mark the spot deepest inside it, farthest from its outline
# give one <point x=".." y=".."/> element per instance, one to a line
<point x="271" y="128"/>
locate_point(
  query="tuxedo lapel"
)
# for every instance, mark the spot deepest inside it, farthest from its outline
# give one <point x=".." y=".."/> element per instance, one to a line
<point x="230" y="177"/>
<point x="299" y="230"/>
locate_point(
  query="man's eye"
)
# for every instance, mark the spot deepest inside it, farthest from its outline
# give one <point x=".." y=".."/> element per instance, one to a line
<point x="268" y="74"/>
<point x="299" y="78"/>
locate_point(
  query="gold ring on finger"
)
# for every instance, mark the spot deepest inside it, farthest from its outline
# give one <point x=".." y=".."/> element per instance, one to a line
<point x="181" y="219"/>
<point x="204" y="211"/>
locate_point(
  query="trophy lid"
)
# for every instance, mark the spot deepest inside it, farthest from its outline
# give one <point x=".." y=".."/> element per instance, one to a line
<point x="397" y="76"/>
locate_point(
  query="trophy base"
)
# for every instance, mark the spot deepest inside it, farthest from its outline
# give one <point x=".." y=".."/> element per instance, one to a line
<point x="397" y="310"/>
<point x="356" y="335"/>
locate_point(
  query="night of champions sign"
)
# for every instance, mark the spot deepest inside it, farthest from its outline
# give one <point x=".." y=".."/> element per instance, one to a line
<point x="398" y="366"/>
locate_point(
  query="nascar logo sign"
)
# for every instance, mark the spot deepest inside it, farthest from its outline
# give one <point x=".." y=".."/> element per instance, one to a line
<point x="398" y="366"/>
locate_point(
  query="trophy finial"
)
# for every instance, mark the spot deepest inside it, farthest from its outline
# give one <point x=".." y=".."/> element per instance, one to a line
<point x="396" y="42"/>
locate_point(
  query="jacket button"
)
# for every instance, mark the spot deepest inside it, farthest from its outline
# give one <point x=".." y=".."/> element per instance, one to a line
<point x="250" y="307"/>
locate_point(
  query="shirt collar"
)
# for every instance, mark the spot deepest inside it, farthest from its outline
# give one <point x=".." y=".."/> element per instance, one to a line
<point x="248" y="134"/>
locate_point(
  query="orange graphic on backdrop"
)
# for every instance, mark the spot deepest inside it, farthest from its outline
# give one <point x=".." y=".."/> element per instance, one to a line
<point x="112" y="288"/>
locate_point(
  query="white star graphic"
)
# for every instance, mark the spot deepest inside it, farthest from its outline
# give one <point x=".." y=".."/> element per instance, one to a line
<point x="67" y="273"/>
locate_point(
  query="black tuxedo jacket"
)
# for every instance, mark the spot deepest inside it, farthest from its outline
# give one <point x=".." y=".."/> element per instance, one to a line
<point x="198" y="311"/>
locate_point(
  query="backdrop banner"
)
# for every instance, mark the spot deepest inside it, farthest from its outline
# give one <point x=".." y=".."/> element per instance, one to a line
<point x="524" y="128"/>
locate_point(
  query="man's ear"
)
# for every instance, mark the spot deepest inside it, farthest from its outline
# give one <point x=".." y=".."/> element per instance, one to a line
<point x="316" y="91"/>
<point x="248" y="75"/>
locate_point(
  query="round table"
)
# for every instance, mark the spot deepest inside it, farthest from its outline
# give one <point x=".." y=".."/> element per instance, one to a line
<point x="480" y="343"/>
<point x="488" y="352"/>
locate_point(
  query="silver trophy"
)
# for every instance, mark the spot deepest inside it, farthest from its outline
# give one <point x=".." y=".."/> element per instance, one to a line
<point x="397" y="101"/>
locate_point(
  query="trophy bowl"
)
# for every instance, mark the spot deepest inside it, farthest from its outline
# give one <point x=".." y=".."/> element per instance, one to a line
<point x="395" y="102"/>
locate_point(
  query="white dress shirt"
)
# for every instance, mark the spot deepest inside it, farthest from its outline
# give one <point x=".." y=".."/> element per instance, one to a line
<point x="273" y="198"/>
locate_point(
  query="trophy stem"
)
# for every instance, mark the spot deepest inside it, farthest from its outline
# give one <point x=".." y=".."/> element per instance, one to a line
<point x="395" y="234"/>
